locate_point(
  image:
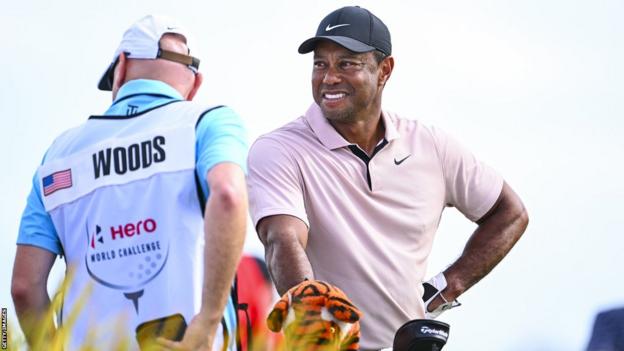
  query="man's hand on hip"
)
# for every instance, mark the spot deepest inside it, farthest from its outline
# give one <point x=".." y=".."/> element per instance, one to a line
<point x="435" y="302"/>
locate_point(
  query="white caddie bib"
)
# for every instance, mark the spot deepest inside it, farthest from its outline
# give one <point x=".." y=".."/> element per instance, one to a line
<point x="127" y="212"/>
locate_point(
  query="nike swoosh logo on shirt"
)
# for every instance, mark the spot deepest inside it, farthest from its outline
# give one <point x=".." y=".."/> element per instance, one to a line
<point x="401" y="161"/>
<point x="330" y="27"/>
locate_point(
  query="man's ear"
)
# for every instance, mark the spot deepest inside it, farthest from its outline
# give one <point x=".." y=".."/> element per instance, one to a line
<point x="119" y="76"/>
<point x="199" y="78"/>
<point x="385" y="66"/>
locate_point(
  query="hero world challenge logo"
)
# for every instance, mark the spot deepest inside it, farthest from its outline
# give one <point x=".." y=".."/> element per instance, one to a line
<point x="126" y="256"/>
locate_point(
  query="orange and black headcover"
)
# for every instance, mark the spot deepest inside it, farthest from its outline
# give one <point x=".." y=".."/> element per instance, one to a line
<point x="316" y="316"/>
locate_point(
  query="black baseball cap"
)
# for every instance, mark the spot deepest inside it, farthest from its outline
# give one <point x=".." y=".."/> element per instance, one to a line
<point x="353" y="28"/>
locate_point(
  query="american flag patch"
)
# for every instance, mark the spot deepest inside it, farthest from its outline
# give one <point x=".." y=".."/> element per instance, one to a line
<point x="57" y="181"/>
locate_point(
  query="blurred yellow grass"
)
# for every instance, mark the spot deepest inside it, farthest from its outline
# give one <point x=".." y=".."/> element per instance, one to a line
<point x="50" y="337"/>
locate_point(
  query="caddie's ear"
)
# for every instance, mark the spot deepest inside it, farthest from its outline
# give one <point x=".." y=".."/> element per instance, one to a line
<point x="339" y="305"/>
<point x="199" y="78"/>
<point x="119" y="75"/>
<point x="276" y="318"/>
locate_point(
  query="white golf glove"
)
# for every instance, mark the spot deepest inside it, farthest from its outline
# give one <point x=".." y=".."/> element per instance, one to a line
<point x="432" y="288"/>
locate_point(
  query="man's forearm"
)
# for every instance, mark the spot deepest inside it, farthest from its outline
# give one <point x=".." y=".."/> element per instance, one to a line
<point x="488" y="245"/>
<point x="285" y="239"/>
<point x="225" y="225"/>
<point x="288" y="264"/>
<point x="36" y="319"/>
<point x="30" y="295"/>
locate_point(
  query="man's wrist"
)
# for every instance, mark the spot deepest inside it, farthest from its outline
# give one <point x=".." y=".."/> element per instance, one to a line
<point x="208" y="318"/>
<point x="435" y="303"/>
<point x="453" y="288"/>
<point x="439" y="296"/>
<point x="449" y="294"/>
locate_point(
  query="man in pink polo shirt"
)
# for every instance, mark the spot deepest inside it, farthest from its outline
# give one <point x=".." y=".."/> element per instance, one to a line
<point x="352" y="194"/>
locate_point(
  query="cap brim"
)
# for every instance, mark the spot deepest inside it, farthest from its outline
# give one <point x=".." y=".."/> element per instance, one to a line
<point x="348" y="43"/>
<point x="106" y="82"/>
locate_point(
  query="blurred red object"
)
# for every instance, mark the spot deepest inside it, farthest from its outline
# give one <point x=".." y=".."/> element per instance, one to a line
<point x="256" y="291"/>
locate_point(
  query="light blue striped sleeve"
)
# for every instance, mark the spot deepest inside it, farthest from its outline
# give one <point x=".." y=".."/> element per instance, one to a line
<point x="36" y="227"/>
<point x="221" y="137"/>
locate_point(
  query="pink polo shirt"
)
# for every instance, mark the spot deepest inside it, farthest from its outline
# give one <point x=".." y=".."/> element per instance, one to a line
<point x="371" y="221"/>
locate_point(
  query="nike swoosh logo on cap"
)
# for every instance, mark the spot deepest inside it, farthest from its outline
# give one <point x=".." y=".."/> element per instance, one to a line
<point x="330" y="27"/>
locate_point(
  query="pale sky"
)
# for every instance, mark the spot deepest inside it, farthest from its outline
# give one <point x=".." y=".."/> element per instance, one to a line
<point x="533" y="88"/>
